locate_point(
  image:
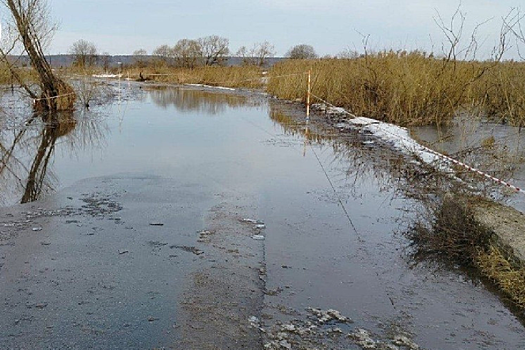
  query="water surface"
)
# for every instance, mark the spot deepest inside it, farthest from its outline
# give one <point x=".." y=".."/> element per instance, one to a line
<point x="334" y="207"/>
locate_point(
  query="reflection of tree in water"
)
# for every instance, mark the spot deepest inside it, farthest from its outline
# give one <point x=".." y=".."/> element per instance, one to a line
<point x="61" y="125"/>
<point x="27" y="152"/>
<point x="195" y="100"/>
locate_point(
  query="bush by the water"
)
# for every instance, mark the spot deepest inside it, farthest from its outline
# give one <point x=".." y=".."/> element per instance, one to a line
<point x="453" y="235"/>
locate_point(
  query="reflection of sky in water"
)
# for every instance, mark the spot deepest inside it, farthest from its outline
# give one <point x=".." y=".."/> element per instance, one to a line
<point x="159" y="132"/>
<point x="158" y="141"/>
<point x="165" y="132"/>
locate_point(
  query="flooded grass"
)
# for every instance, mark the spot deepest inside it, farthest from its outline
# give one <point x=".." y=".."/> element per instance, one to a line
<point x="404" y="88"/>
<point x="452" y="235"/>
<point x="455" y="237"/>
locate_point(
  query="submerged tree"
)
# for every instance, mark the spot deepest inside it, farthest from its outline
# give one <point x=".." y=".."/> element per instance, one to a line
<point x="31" y="27"/>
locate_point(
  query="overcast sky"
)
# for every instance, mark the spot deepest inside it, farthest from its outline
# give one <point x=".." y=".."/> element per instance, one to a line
<point x="330" y="26"/>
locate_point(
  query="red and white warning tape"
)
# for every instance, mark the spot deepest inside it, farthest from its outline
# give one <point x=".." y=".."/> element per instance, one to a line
<point x="440" y="155"/>
<point x="475" y="170"/>
<point x="52" y="97"/>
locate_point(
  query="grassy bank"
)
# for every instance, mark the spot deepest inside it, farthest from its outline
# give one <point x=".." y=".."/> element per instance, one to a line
<point x="245" y="77"/>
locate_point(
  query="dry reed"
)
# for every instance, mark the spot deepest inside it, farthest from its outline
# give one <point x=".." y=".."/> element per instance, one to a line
<point x="408" y="88"/>
<point x="239" y="77"/>
<point x="509" y="278"/>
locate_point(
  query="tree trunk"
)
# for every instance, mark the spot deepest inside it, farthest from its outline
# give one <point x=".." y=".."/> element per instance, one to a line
<point x="56" y="94"/>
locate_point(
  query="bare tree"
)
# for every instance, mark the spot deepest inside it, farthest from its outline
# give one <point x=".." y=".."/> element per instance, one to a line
<point x="243" y="53"/>
<point x="164" y="54"/>
<point x="214" y="49"/>
<point x="31" y="27"/>
<point x="139" y="57"/>
<point x="140" y="52"/>
<point x="84" y="53"/>
<point x="187" y="53"/>
<point x="263" y="51"/>
<point x="512" y="23"/>
<point x="347" y="54"/>
<point x="258" y="55"/>
<point x="301" y="52"/>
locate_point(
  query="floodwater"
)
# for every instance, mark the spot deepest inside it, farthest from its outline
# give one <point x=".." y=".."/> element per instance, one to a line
<point x="494" y="148"/>
<point x="334" y="209"/>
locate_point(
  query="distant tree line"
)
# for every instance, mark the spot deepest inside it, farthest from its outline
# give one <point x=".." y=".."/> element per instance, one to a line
<point x="211" y="50"/>
<point x="214" y="50"/>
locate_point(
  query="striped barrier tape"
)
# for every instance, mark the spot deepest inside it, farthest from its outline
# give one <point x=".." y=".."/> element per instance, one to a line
<point x="440" y="155"/>
<point x="52" y="97"/>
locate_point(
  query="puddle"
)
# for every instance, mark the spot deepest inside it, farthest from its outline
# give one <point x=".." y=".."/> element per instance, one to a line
<point x="332" y="211"/>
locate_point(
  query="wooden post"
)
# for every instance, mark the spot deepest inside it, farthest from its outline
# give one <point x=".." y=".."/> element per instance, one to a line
<point x="308" y="95"/>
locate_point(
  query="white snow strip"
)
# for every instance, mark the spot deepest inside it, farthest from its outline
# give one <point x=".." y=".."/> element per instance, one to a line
<point x="399" y="138"/>
<point x="328" y="109"/>
<point x="212" y="87"/>
<point x="335" y="110"/>
<point x="106" y="75"/>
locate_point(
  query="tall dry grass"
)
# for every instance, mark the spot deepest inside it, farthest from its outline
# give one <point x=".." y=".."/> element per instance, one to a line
<point x="245" y="77"/>
<point x="502" y="92"/>
<point x="407" y="88"/>
<point x="6" y="78"/>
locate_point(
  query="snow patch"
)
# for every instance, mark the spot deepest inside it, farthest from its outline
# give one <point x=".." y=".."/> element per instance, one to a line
<point x="107" y="75"/>
<point x="399" y="138"/>
<point x="328" y="109"/>
<point x="212" y="87"/>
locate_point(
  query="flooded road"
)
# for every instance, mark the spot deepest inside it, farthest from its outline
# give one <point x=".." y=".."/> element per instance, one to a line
<point x="199" y="220"/>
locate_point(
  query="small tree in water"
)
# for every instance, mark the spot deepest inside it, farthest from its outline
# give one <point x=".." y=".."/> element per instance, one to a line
<point x="30" y="27"/>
